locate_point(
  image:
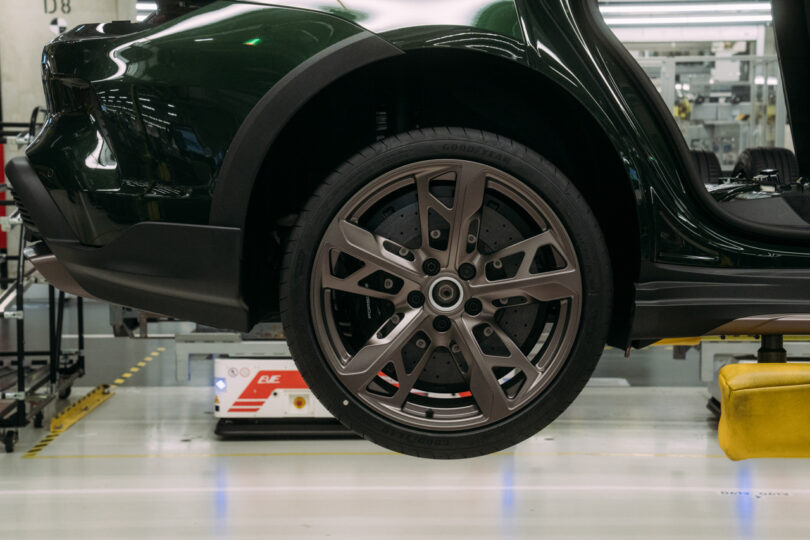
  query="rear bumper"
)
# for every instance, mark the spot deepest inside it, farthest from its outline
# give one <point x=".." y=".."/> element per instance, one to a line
<point x="52" y="270"/>
<point x="190" y="272"/>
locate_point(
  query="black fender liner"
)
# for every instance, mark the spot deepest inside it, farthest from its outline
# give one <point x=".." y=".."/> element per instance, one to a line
<point x="273" y="112"/>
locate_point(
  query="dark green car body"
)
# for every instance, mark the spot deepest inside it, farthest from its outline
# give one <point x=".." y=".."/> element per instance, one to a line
<point x="175" y="148"/>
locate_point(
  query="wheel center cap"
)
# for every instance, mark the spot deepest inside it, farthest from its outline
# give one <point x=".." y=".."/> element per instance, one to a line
<point x="446" y="294"/>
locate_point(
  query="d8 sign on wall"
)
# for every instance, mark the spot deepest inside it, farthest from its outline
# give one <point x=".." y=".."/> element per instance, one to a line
<point x="54" y="6"/>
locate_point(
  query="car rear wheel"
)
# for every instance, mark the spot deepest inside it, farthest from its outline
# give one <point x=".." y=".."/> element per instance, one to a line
<point x="446" y="293"/>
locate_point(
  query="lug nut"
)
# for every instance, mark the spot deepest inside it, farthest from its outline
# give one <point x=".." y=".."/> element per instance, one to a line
<point x="388" y="283"/>
<point x="473" y="306"/>
<point x="403" y="252"/>
<point x="471" y="239"/>
<point x="395" y="319"/>
<point x="488" y="331"/>
<point x="421" y="343"/>
<point x="435" y="234"/>
<point x="441" y="324"/>
<point x="431" y="267"/>
<point x="497" y="264"/>
<point x="416" y="299"/>
<point x="455" y="349"/>
<point x="466" y="271"/>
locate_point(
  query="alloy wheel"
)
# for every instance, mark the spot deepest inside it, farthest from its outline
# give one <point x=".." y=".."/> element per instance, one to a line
<point x="446" y="295"/>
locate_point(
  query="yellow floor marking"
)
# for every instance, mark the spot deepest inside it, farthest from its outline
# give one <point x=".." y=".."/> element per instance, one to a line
<point x="78" y="410"/>
<point x="161" y="349"/>
<point x="62" y="421"/>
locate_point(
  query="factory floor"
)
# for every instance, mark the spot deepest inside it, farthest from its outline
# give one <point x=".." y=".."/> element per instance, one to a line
<point x="621" y="462"/>
<point x="635" y="456"/>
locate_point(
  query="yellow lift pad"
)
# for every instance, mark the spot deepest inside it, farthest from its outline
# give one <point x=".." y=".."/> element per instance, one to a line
<point x="765" y="411"/>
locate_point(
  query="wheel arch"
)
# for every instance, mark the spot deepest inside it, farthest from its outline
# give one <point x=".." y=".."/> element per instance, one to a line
<point x="273" y="113"/>
<point x="392" y="95"/>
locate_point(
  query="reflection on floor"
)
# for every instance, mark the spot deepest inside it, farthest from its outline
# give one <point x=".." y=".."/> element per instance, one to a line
<point x="622" y="462"/>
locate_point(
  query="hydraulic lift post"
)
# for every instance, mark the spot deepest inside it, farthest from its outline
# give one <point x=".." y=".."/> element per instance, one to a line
<point x="772" y="349"/>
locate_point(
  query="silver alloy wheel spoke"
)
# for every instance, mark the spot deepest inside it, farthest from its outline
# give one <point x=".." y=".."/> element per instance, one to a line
<point x="353" y="240"/>
<point x="543" y="287"/>
<point x="377" y="353"/>
<point x="406" y="381"/>
<point x="351" y="284"/>
<point x="484" y="385"/>
<point x="470" y="186"/>
<point x="528" y="248"/>
<point x="428" y="202"/>
<point x="469" y="200"/>
<point x="516" y="358"/>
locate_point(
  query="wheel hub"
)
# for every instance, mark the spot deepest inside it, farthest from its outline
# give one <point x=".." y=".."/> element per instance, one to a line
<point x="446" y="294"/>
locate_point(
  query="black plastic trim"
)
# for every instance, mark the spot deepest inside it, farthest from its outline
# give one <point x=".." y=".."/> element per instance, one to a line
<point x="185" y="271"/>
<point x="669" y="129"/>
<point x="691" y="301"/>
<point x="271" y="114"/>
<point x="38" y="204"/>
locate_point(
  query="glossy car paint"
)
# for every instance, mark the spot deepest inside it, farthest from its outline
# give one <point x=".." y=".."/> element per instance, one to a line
<point x="144" y="116"/>
<point x="167" y="101"/>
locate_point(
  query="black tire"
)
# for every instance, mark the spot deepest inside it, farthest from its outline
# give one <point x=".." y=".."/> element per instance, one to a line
<point x="494" y="151"/>
<point x="708" y="166"/>
<point x="755" y="160"/>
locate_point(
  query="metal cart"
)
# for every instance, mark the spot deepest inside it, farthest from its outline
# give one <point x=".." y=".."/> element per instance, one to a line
<point x="27" y="387"/>
<point x="32" y="379"/>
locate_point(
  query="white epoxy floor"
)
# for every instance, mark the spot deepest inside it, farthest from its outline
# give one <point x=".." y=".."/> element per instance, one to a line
<point x="621" y="463"/>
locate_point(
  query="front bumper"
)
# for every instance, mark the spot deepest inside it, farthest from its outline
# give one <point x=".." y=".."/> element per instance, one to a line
<point x="190" y="272"/>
